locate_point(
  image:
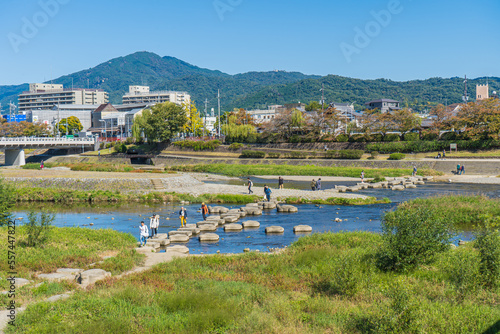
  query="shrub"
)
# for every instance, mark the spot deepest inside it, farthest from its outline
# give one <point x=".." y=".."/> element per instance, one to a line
<point x="449" y="136"/>
<point x="235" y="146"/>
<point x="342" y="138"/>
<point x="411" y="236"/>
<point x="294" y="139"/>
<point x="129" y="140"/>
<point x="373" y="155"/>
<point x="199" y="145"/>
<point x="253" y="154"/>
<point x="350" y="154"/>
<point x="358" y="138"/>
<point x="297" y="155"/>
<point x="391" y="137"/>
<point x="411" y="136"/>
<point x="376" y="137"/>
<point x="488" y="243"/>
<point x="462" y="270"/>
<point x="38" y="228"/>
<point x="273" y="155"/>
<point x="120" y="148"/>
<point x="430" y="136"/>
<point x="396" y="156"/>
<point x="331" y="154"/>
<point x="7" y="201"/>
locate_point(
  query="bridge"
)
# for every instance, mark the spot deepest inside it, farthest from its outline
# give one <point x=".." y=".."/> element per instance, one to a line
<point x="14" y="147"/>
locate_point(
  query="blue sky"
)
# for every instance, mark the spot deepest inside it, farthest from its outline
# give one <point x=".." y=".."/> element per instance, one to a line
<point x="393" y="39"/>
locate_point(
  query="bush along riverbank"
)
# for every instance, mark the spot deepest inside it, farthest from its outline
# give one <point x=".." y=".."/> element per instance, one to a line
<point x="324" y="283"/>
<point x="58" y="195"/>
<point x="309" y="170"/>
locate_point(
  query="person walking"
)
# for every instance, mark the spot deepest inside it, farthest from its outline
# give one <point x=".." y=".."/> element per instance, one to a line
<point x="267" y="192"/>
<point x="41" y="165"/>
<point x="204" y="211"/>
<point x="458" y="169"/>
<point x="462" y="169"/>
<point x="144" y="233"/>
<point x="183" y="216"/>
<point x="363" y="176"/>
<point x="250" y="184"/>
<point x="313" y="185"/>
<point x="280" y="182"/>
<point x="414" y="171"/>
<point x="154" y="221"/>
<point x="318" y="184"/>
<point x="444" y="154"/>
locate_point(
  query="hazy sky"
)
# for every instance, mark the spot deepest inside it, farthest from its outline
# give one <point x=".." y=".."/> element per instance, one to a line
<point x="398" y="40"/>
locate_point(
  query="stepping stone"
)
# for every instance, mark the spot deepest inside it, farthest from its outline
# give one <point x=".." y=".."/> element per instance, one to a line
<point x="178" y="249"/>
<point x="57" y="277"/>
<point x="209" y="237"/>
<point x="252" y="211"/>
<point x="191" y="226"/>
<point x="231" y="219"/>
<point x="375" y="186"/>
<point x="179" y="238"/>
<point x="193" y="230"/>
<point x="252" y="205"/>
<point x="410" y="186"/>
<point x="251" y="224"/>
<point x="92" y="276"/>
<point x="70" y="271"/>
<point x="161" y="236"/>
<point x="217" y="209"/>
<point x="164" y="242"/>
<point x="275" y="230"/>
<point x="145" y="250"/>
<point x="287" y="208"/>
<point x="213" y="217"/>
<point x="420" y="183"/>
<point x="399" y="188"/>
<point x="268" y="205"/>
<point x="187" y="233"/>
<point x="233" y="227"/>
<point x="154" y="244"/>
<point x="208" y="228"/>
<point x="302" y="229"/>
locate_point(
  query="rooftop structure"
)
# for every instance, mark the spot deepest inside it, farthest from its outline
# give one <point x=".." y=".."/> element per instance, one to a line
<point x="384" y="105"/>
<point x="141" y="94"/>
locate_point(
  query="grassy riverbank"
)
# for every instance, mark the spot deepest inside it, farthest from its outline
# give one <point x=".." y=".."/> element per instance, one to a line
<point x="69" y="247"/>
<point x="58" y="195"/>
<point x="322" y="283"/>
<point x="309" y="170"/>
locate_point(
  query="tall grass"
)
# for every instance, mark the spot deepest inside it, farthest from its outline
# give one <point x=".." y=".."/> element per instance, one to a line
<point x="309" y="170"/>
<point x="324" y="283"/>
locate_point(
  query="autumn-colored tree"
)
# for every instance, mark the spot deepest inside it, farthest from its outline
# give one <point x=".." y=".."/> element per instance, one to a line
<point x="480" y="119"/>
<point x="405" y="121"/>
<point x="443" y="118"/>
<point x="194" y="124"/>
<point x="23" y="129"/>
<point x="323" y="120"/>
<point x="73" y="125"/>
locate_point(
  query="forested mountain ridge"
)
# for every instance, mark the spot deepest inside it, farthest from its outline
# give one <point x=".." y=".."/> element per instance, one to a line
<point x="252" y="89"/>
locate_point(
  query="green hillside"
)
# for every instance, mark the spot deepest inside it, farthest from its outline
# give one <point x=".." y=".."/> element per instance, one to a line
<point x="252" y="89"/>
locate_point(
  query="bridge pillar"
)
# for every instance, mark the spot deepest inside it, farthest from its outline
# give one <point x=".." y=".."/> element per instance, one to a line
<point x="15" y="157"/>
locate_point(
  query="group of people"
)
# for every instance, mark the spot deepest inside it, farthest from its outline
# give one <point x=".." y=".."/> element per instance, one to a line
<point x="267" y="190"/>
<point x="460" y="169"/>
<point x="154" y="223"/>
<point x="316" y="185"/>
<point x="439" y="156"/>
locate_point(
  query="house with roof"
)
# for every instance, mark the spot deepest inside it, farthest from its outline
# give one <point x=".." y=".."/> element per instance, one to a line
<point x="384" y="105"/>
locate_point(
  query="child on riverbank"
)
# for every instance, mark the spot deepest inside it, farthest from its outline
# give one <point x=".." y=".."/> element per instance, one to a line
<point x="144" y="233"/>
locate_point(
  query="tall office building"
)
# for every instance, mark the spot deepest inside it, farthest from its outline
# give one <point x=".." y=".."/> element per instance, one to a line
<point x="141" y="94"/>
<point x="46" y="96"/>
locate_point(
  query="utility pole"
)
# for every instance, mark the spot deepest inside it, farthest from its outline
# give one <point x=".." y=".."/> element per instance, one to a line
<point x="218" y="102"/>
<point x="322" y="97"/>
<point x="466" y="97"/>
<point x="205" y="124"/>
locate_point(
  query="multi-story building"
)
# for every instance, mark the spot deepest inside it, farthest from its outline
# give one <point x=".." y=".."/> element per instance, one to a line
<point x="384" y="105"/>
<point x="57" y="113"/>
<point x="46" y="96"/>
<point x="263" y="115"/>
<point x="141" y="94"/>
<point x="482" y="92"/>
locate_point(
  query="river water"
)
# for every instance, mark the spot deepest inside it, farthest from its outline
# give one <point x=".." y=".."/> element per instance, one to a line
<point x="126" y="218"/>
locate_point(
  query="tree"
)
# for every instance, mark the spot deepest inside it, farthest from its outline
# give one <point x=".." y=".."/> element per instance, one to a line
<point x="406" y="121"/>
<point x="162" y="121"/>
<point x="73" y="123"/>
<point x="313" y="106"/>
<point x="443" y="118"/>
<point x="480" y="119"/>
<point x="194" y="122"/>
<point x="297" y="120"/>
<point x="323" y="120"/>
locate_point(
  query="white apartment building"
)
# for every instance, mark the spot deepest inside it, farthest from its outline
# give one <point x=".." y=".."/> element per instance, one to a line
<point x="141" y="94"/>
<point x="46" y="96"/>
<point x="209" y="123"/>
<point x="263" y="115"/>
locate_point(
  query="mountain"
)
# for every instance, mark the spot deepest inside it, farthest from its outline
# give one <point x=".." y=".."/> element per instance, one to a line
<point x="252" y="89"/>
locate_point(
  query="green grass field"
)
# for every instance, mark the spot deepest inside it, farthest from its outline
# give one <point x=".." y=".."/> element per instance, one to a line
<point x="325" y="283"/>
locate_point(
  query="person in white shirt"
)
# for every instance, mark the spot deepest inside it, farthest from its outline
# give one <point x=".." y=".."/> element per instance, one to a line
<point x="154" y="222"/>
<point x="144" y="233"/>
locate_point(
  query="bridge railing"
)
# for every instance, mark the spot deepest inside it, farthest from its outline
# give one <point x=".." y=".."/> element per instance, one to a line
<point x="44" y="139"/>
